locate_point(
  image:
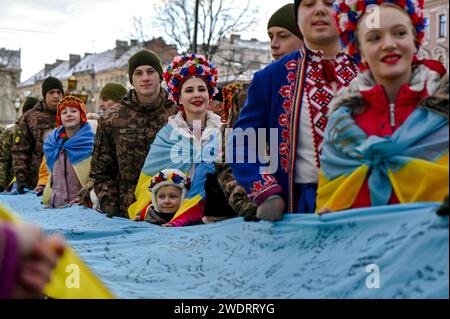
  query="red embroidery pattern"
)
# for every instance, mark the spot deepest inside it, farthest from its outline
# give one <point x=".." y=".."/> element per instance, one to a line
<point x="320" y="93"/>
<point x="287" y="92"/>
<point x="262" y="186"/>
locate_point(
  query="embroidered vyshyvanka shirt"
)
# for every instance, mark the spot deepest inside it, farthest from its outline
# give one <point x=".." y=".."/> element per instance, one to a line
<point x="324" y="80"/>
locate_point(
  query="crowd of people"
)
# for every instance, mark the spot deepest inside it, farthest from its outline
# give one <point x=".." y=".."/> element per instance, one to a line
<point x="360" y="121"/>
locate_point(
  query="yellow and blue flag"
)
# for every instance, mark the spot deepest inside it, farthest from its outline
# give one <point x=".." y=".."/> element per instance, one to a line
<point x="413" y="162"/>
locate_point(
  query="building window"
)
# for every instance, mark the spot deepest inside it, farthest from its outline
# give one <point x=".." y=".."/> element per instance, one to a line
<point x="442" y="26"/>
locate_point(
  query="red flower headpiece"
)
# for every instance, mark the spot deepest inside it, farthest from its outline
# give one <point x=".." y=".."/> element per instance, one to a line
<point x="348" y="13"/>
<point x="185" y="66"/>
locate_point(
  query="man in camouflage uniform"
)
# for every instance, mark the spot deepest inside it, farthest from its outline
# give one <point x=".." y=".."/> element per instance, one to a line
<point x="234" y="96"/>
<point x="110" y="95"/>
<point x="27" y="151"/>
<point x="125" y="133"/>
<point x="6" y="142"/>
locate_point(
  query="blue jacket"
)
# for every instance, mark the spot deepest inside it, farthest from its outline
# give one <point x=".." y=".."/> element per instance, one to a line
<point x="274" y="102"/>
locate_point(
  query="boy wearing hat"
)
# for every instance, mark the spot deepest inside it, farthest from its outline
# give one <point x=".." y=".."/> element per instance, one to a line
<point x="27" y="150"/>
<point x="298" y="90"/>
<point x="285" y="36"/>
<point x="125" y="133"/>
<point x="6" y="142"/>
<point x="110" y="95"/>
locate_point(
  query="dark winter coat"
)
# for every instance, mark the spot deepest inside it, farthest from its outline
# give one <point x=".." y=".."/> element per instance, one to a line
<point x="124" y="135"/>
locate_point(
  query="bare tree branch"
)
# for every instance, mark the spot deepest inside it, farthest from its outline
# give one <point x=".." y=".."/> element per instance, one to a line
<point x="217" y="19"/>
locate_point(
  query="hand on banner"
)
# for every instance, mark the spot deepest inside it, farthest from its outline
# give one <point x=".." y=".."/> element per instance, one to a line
<point x="271" y="209"/>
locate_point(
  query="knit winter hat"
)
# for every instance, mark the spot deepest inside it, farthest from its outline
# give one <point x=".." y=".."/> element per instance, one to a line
<point x="29" y="103"/>
<point x="144" y="57"/>
<point x="169" y="177"/>
<point x="185" y="66"/>
<point x="296" y="5"/>
<point x="348" y="13"/>
<point x="285" y="18"/>
<point x="51" y="83"/>
<point x="114" y="91"/>
<point x="71" y="101"/>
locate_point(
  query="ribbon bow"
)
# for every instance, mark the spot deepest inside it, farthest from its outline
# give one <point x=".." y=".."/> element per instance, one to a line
<point x="329" y="70"/>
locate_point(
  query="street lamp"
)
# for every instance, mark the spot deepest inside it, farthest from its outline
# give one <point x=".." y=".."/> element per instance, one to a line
<point x="17" y="105"/>
<point x="72" y="85"/>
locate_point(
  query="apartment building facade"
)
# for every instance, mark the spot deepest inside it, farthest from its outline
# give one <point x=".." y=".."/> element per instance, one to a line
<point x="436" y="35"/>
<point x="92" y="71"/>
<point x="10" y="71"/>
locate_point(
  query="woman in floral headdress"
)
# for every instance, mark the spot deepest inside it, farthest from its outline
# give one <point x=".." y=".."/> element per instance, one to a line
<point x="189" y="142"/>
<point x="387" y="137"/>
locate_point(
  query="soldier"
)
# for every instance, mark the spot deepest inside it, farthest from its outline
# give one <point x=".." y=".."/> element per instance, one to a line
<point x="6" y="142"/>
<point x="110" y="95"/>
<point x="27" y="152"/>
<point x="125" y="133"/>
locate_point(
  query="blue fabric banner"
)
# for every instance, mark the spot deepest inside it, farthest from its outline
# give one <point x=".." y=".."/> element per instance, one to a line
<point x="384" y="252"/>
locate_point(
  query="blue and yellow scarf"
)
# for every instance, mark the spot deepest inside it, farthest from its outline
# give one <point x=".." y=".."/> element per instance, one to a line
<point x="413" y="162"/>
<point x="175" y="149"/>
<point x="78" y="148"/>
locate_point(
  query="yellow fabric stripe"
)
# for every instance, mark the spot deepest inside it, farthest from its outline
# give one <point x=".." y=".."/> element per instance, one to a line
<point x="443" y="160"/>
<point x="71" y="278"/>
<point x="187" y="204"/>
<point x="142" y="194"/>
<point x="341" y="192"/>
<point x="421" y="181"/>
<point x="82" y="169"/>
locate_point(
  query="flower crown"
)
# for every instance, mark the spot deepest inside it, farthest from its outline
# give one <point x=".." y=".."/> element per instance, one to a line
<point x="348" y="13"/>
<point x="185" y="66"/>
<point x="172" y="178"/>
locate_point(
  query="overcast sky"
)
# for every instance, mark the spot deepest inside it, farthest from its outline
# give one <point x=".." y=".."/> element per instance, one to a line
<point x="46" y="30"/>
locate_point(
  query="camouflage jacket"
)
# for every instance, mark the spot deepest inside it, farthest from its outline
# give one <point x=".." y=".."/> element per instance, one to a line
<point x="234" y="193"/>
<point x="124" y="135"/>
<point x="6" y="173"/>
<point x="27" y="150"/>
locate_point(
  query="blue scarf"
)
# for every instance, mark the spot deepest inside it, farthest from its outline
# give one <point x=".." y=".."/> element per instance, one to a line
<point x="172" y="149"/>
<point x="78" y="148"/>
<point x="422" y="139"/>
